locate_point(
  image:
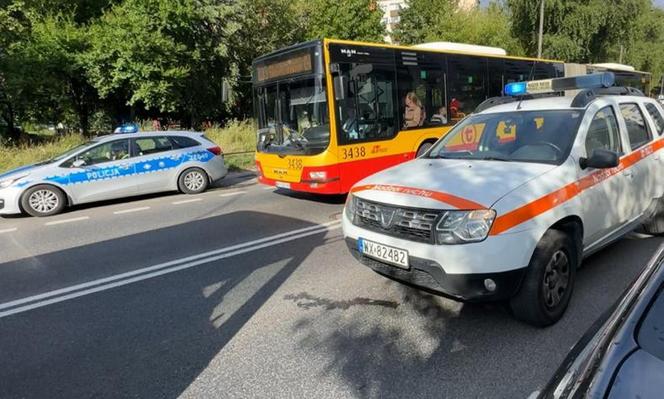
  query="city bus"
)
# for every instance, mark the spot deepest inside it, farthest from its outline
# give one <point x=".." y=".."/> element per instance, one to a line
<point x="331" y="112"/>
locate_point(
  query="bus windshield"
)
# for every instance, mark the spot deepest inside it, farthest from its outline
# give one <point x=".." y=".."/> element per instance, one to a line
<point x="519" y="136"/>
<point x="292" y="116"/>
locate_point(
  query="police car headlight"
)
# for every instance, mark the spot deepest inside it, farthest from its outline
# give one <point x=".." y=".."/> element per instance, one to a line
<point x="8" y="182"/>
<point x="349" y="208"/>
<point x="460" y="227"/>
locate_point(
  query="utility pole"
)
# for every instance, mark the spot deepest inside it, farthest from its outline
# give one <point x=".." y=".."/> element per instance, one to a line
<point x="541" y="30"/>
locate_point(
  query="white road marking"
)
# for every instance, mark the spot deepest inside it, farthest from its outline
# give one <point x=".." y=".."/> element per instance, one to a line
<point x="231" y="194"/>
<point x="187" y="201"/>
<point x="72" y="220"/>
<point x="13" y="229"/>
<point x="142" y="208"/>
<point x="107" y="283"/>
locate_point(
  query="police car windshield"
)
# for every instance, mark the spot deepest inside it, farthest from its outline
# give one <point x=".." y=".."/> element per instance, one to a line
<point x="519" y="136"/>
<point x="70" y="152"/>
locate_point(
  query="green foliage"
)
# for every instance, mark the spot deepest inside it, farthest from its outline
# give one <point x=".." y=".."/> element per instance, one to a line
<point x="342" y="19"/>
<point x="646" y="51"/>
<point x="576" y="30"/>
<point x="424" y="19"/>
<point x="15" y="156"/>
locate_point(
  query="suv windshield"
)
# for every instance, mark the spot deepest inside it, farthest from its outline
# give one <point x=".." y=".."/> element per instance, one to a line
<point x="292" y="116"/>
<point x="519" y="136"/>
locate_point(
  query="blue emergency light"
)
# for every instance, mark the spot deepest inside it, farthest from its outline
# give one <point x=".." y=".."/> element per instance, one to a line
<point x="591" y="81"/>
<point x="127" y="128"/>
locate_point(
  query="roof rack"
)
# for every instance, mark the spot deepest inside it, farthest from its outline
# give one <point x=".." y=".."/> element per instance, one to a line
<point x="585" y="97"/>
<point x="494" y="101"/>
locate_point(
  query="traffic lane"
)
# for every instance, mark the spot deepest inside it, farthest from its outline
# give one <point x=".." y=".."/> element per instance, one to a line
<point x="38" y="274"/>
<point x="35" y="236"/>
<point x="149" y="339"/>
<point x="344" y="331"/>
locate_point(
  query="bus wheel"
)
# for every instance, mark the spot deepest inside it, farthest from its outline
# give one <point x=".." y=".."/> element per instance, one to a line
<point x="423" y="148"/>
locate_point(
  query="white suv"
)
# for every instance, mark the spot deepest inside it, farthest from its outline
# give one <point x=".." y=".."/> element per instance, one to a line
<point x="507" y="204"/>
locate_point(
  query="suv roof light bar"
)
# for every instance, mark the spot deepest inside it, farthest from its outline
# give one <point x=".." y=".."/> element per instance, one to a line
<point x="591" y="81"/>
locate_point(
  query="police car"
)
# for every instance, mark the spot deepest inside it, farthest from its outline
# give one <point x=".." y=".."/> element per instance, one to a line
<point x="509" y="211"/>
<point x="113" y="166"/>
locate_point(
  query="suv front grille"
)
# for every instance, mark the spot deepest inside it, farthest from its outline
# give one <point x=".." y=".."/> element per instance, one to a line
<point x="407" y="223"/>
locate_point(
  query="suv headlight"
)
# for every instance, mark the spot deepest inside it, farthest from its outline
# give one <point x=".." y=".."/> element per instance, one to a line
<point x="8" y="182"/>
<point x="460" y="227"/>
<point x="349" y="208"/>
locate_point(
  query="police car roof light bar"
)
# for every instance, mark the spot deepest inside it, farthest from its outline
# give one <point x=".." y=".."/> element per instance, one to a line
<point x="591" y="81"/>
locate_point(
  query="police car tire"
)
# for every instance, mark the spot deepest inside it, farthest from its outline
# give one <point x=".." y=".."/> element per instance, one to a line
<point x="529" y="304"/>
<point x="59" y="195"/>
<point x="183" y="187"/>
<point x="423" y="148"/>
<point x="655" y="225"/>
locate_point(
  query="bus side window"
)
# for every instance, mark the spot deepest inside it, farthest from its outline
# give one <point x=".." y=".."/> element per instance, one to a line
<point x="368" y="112"/>
<point x="466" y="84"/>
<point x="421" y="97"/>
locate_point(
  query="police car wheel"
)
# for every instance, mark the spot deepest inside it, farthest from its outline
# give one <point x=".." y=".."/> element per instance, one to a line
<point x="549" y="281"/>
<point x="193" y="181"/>
<point x="43" y="200"/>
<point x="423" y="148"/>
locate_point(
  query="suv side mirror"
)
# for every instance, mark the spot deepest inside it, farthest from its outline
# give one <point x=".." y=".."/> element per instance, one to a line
<point x="341" y="84"/>
<point x="78" y="163"/>
<point x="600" y="159"/>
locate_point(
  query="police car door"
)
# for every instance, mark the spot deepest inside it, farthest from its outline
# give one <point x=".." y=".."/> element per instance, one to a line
<point x="156" y="162"/>
<point x="603" y="204"/>
<point x="102" y="172"/>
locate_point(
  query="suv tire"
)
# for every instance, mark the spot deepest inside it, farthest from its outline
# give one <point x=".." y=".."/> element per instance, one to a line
<point x="549" y="281"/>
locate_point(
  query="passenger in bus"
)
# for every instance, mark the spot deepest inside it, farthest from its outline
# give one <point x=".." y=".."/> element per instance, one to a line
<point x="440" y="118"/>
<point x="414" y="114"/>
<point x="455" y="110"/>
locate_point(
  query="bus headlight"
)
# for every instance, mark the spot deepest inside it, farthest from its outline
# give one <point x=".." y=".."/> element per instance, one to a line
<point x="349" y="208"/>
<point x="460" y="227"/>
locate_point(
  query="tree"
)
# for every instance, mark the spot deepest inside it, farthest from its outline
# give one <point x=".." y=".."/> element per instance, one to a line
<point x="166" y="55"/>
<point x="342" y="19"/>
<point x="646" y="51"/>
<point x="423" y="19"/>
<point x="576" y="30"/>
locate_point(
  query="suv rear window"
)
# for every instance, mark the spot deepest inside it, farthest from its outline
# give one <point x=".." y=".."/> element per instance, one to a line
<point x="183" y="142"/>
<point x="656" y="117"/>
<point x="636" y="125"/>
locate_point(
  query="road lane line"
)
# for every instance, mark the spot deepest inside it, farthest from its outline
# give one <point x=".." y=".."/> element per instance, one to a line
<point x="187" y="201"/>
<point x="233" y="193"/>
<point x="142" y="208"/>
<point x="72" y="220"/>
<point x="107" y="283"/>
<point x="13" y="229"/>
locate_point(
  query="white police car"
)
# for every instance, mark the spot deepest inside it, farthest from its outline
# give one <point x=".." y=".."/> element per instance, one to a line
<point x="114" y="166"/>
<point x="506" y="205"/>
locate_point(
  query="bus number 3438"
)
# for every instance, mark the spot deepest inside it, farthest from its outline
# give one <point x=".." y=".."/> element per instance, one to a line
<point x="357" y="152"/>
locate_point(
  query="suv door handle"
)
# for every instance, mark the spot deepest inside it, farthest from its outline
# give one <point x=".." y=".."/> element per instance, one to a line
<point x="629" y="173"/>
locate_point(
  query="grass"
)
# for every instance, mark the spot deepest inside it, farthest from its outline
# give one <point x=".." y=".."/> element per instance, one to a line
<point x="237" y="136"/>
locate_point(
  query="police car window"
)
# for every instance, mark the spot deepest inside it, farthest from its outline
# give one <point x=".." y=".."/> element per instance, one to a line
<point x="657" y="118"/>
<point x="107" y="152"/>
<point x="603" y="132"/>
<point x="183" y="142"/>
<point x="520" y="136"/>
<point x="636" y="125"/>
<point x="151" y="145"/>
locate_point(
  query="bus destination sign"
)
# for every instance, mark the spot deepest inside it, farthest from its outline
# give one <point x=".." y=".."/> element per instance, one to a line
<point x="295" y="64"/>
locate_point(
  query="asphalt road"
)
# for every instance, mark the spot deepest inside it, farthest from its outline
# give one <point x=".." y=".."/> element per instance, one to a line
<point x="248" y="292"/>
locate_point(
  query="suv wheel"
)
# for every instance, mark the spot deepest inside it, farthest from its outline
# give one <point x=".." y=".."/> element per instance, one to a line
<point x="43" y="200"/>
<point x="655" y="224"/>
<point x="193" y="181"/>
<point x="549" y="281"/>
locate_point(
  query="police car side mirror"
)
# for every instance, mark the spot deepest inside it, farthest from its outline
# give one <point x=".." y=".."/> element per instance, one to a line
<point x="600" y="159"/>
<point x="78" y="163"/>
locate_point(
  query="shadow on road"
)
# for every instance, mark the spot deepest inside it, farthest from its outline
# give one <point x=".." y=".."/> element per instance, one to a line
<point x="146" y="339"/>
<point x="427" y="346"/>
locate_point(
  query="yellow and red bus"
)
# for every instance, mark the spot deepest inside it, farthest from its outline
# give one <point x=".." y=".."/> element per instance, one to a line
<point x="331" y="112"/>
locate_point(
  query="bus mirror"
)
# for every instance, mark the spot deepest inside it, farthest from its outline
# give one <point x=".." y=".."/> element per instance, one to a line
<point x="226" y="92"/>
<point x="340" y="87"/>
